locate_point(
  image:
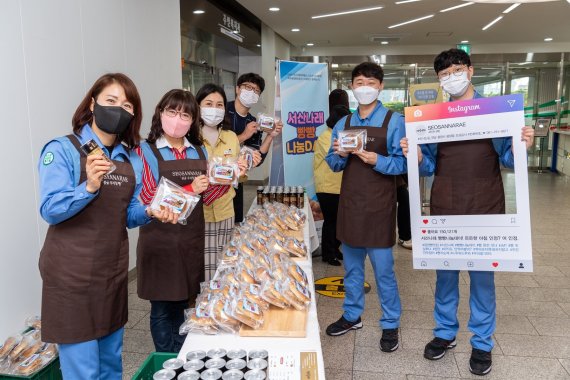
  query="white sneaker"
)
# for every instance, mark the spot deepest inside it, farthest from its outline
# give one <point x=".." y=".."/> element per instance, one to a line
<point x="405" y="243"/>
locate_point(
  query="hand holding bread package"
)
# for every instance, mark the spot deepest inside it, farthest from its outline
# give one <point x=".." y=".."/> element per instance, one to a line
<point x="24" y="354"/>
<point x="169" y="194"/>
<point x="265" y="122"/>
<point x="352" y="141"/>
<point x="223" y="171"/>
<point x="256" y="272"/>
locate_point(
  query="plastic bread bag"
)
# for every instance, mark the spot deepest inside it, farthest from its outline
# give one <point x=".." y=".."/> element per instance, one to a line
<point x="34" y="322"/>
<point x="270" y="207"/>
<point x="48" y="351"/>
<point x="353" y="140"/>
<point x="199" y="320"/>
<point x="221" y="311"/>
<point x="246" y="153"/>
<point x="265" y="123"/>
<point x="295" y="272"/>
<point x="29" y="345"/>
<point x="291" y="222"/>
<point x="272" y="292"/>
<point x="260" y="215"/>
<point x="29" y="365"/>
<point x="9" y="344"/>
<point x="223" y="171"/>
<point x="276" y="245"/>
<point x="230" y="255"/>
<point x="259" y="244"/>
<point x="296" y="294"/>
<point x="169" y="194"/>
<point x="297" y="214"/>
<point x="253" y="293"/>
<point x="248" y="312"/>
<point x="244" y="275"/>
<point x="295" y="247"/>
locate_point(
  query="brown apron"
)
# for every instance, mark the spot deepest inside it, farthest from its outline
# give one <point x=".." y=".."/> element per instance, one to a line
<point x="467" y="179"/>
<point x="84" y="263"/>
<point x="367" y="205"/>
<point x="170" y="258"/>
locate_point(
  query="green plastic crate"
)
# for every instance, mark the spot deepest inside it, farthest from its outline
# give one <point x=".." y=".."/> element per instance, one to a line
<point x="152" y="364"/>
<point x="50" y="372"/>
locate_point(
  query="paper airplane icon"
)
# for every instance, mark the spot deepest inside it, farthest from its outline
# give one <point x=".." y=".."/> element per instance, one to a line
<point x="511" y="102"/>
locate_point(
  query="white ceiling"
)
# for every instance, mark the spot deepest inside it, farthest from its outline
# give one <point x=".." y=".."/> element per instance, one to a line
<point x="521" y="30"/>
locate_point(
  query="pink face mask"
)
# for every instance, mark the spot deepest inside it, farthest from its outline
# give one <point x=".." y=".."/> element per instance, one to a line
<point x="174" y="126"/>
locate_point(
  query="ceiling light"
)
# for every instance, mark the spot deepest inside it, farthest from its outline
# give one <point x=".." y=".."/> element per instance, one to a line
<point x="491" y="23"/>
<point x="548" y="39"/>
<point x="529" y="57"/>
<point x="409" y="22"/>
<point x="258" y="45"/>
<point x="412" y="64"/>
<point x="456" y="7"/>
<point x="334" y="65"/>
<point x="465" y="42"/>
<point x="511" y="8"/>
<point x="198" y="12"/>
<point x="310" y="44"/>
<point x="295" y="30"/>
<point x="408" y="1"/>
<point x="274" y="9"/>
<point x="348" y="12"/>
<point x="384" y="43"/>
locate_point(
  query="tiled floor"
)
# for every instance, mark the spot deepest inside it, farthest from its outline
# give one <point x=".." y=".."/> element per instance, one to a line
<point x="533" y="312"/>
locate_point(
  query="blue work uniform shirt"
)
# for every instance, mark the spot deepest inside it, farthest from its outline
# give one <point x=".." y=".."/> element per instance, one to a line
<point x="393" y="164"/>
<point x="502" y="145"/>
<point x="61" y="194"/>
<point x="165" y="150"/>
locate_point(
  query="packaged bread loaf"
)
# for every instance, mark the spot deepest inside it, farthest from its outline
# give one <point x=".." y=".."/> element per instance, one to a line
<point x="265" y="123"/>
<point x="170" y="195"/>
<point x="293" y="295"/>
<point x="253" y="293"/>
<point x="248" y="312"/>
<point x="246" y="154"/>
<point x="295" y="247"/>
<point x="221" y="314"/>
<point x="8" y="345"/>
<point x="295" y="272"/>
<point x="29" y="341"/>
<point x="352" y="140"/>
<point x="272" y="292"/>
<point x="29" y="366"/>
<point x="199" y="320"/>
<point x="223" y="171"/>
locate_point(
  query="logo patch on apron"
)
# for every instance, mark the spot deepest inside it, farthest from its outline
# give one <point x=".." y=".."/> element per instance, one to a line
<point x="48" y="158"/>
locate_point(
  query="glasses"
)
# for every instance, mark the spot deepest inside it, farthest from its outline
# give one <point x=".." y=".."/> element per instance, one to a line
<point x="456" y="71"/>
<point x="172" y="113"/>
<point x="249" y="87"/>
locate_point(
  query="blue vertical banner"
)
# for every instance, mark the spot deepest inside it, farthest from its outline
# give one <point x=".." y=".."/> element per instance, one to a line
<point x="302" y="104"/>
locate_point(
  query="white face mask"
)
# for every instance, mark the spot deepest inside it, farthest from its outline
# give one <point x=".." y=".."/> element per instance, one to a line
<point x="456" y="86"/>
<point x="366" y="94"/>
<point x="211" y="116"/>
<point x="248" y="98"/>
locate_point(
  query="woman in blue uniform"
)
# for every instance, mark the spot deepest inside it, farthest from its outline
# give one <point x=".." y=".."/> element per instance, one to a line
<point x="85" y="257"/>
<point x="170" y="259"/>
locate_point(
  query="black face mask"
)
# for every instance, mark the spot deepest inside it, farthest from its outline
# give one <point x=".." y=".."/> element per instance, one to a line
<point x="111" y="119"/>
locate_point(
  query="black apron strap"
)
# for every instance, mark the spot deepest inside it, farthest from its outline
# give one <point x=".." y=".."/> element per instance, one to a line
<point x="156" y="152"/>
<point x="347" y="122"/>
<point x="76" y="143"/>
<point x="200" y="153"/>
<point x="387" y="119"/>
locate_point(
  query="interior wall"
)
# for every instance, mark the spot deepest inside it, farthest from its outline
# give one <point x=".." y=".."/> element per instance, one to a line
<point x="56" y="50"/>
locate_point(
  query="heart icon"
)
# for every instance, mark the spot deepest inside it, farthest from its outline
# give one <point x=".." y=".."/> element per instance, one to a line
<point x="423" y="231"/>
<point x="495" y="264"/>
<point x="425" y="221"/>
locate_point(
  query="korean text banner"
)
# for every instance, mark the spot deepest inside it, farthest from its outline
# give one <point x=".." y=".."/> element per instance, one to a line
<point x="304" y="109"/>
<point x="480" y="241"/>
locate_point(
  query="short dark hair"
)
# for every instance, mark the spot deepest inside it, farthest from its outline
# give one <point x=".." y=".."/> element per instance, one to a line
<point x="369" y="70"/>
<point x="83" y="115"/>
<point x="451" y="57"/>
<point x="338" y="97"/>
<point x="180" y="100"/>
<point x="211" y="88"/>
<point x="252" y="78"/>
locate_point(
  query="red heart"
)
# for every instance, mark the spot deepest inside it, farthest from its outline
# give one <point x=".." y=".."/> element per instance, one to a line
<point x="423" y="231"/>
<point x="425" y="221"/>
<point x="495" y="264"/>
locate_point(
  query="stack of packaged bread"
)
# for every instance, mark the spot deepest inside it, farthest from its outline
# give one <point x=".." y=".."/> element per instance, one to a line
<point x="24" y="354"/>
<point x="256" y="272"/>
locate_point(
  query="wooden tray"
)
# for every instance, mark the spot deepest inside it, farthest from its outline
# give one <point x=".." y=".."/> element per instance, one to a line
<point x="288" y="323"/>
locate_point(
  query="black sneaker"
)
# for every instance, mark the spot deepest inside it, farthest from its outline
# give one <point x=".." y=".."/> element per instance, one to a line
<point x="480" y="362"/>
<point x="389" y="340"/>
<point x="342" y="326"/>
<point x="334" y="262"/>
<point x="436" y="348"/>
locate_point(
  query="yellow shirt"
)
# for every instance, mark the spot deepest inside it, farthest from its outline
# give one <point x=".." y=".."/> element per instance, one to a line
<point x="326" y="181"/>
<point x="223" y="207"/>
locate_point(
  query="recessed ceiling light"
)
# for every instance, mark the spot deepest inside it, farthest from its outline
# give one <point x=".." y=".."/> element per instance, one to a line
<point x="347" y="12"/>
<point x="258" y="45"/>
<point x="198" y="12"/>
<point x="310" y="44"/>
<point x="511" y="8"/>
<point x="412" y="64"/>
<point x="548" y="39"/>
<point x="465" y="42"/>
<point x="274" y="9"/>
<point x="456" y="7"/>
<point x="334" y="65"/>
<point x="295" y="30"/>
<point x="409" y="22"/>
<point x="384" y="43"/>
<point x="492" y="23"/>
<point x="406" y="1"/>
